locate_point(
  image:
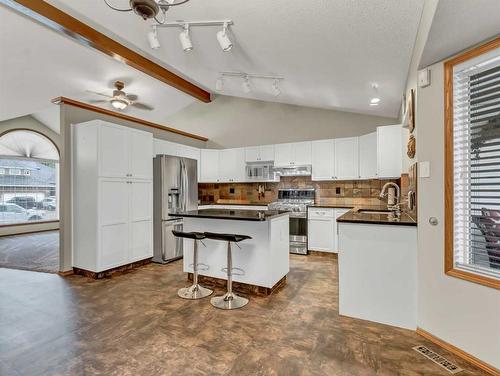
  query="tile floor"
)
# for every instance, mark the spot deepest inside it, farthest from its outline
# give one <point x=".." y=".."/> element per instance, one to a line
<point x="133" y="324"/>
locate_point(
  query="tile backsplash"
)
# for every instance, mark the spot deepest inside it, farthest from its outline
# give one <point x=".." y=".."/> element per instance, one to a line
<point x="348" y="192"/>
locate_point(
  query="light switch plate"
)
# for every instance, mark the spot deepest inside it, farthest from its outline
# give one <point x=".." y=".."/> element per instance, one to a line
<point x="424" y="169"/>
<point x="424" y="78"/>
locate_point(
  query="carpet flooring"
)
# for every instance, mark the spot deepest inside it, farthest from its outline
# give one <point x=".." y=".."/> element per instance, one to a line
<point x="37" y="252"/>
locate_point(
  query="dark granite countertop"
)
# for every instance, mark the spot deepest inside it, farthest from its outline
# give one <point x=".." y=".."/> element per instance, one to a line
<point x="238" y="215"/>
<point x="234" y="204"/>
<point x="355" y="216"/>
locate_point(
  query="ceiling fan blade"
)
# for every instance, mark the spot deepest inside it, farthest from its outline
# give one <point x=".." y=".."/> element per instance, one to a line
<point x="131" y="97"/>
<point x="101" y="94"/>
<point x="142" y="106"/>
<point x="98" y="101"/>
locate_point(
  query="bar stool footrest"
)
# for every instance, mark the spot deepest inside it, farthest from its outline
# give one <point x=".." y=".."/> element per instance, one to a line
<point x="204" y="266"/>
<point x="239" y="270"/>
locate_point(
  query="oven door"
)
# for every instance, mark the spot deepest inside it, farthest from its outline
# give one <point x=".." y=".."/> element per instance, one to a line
<point x="298" y="233"/>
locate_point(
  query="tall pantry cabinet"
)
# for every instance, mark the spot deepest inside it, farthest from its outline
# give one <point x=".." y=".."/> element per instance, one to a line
<point x="112" y="195"/>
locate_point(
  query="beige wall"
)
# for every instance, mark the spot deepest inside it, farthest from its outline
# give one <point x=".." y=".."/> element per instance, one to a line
<point x="462" y="313"/>
<point x="235" y="122"/>
<point x="28" y="122"/>
<point x="73" y="115"/>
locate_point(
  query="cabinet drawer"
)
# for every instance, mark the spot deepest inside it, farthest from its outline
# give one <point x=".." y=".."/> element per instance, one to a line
<point x="318" y="213"/>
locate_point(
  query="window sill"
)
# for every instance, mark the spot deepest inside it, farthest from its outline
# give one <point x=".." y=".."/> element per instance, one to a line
<point x="28" y="223"/>
<point x="475" y="278"/>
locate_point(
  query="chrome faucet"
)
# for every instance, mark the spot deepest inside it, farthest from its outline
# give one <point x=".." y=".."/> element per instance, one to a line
<point x="383" y="194"/>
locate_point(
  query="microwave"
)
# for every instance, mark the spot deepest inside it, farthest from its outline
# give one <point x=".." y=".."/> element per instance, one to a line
<point x="260" y="172"/>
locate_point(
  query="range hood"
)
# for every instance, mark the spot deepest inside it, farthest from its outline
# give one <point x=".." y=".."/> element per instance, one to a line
<point x="304" y="170"/>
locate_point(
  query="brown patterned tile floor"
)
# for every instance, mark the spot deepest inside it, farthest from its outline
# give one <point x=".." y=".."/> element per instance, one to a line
<point x="134" y="324"/>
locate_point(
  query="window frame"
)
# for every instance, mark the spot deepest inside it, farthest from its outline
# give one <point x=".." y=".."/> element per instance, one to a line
<point x="449" y="265"/>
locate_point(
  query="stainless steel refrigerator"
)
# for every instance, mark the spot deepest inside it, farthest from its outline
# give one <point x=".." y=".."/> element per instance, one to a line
<point x="175" y="190"/>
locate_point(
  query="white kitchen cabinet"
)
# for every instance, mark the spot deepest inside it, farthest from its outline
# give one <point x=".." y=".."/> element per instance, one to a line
<point x="209" y="166"/>
<point x="368" y="156"/>
<point x="232" y="165"/>
<point x="112" y="205"/>
<point x="389" y="151"/>
<point x="259" y="154"/>
<point x="124" y="152"/>
<point x="346" y="158"/>
<point x="338" y="213"/>
<point x="323" y="160"/>
<point x="293" y="154"/>
<point x="321" y="229"/>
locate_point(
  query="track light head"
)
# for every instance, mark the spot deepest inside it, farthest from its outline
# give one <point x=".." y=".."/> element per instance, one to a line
<point x="246" y="85"/>
<point x="153" y="40"/>
<point x="219" y="84"/>
<point x="223" y="39"/>
<point x="185" y="39"/>
<point x="276" y="88"/>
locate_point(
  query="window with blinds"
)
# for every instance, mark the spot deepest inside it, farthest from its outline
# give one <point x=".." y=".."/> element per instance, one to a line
<point x="476" y="165"/>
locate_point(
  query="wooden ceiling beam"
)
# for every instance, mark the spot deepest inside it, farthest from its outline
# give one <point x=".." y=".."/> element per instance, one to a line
<point x="120" y="115"/>
<point x="62" y="22"/>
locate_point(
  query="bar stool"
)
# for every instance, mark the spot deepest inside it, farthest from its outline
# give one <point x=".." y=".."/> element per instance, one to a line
<point x="229" y="300"/>
<point x="195" y="291"/>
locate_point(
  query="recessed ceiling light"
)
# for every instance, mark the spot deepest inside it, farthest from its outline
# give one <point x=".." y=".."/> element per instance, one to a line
<point x="374" y="100"/>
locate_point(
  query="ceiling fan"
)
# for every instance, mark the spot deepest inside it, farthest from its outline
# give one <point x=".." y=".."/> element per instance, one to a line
<point x="120" y="100"/>
<point x="147" y="9"/>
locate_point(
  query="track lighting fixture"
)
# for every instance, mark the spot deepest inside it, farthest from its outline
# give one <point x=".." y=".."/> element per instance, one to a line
<point x="223" y="39"/>
<point x="186" y="39"/>
<point x="153" y="40"/>
<point x="246" y="85"/>
<point x="276" y="88"/>
<point x="219" y="84"/>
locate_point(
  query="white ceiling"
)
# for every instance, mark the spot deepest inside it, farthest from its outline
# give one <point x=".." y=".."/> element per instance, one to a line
<point x="329" y="51"/>
<point x="38" y="64"/>
<point x="459" y="24"/>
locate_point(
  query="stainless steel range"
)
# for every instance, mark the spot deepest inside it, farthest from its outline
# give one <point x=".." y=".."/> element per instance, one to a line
<point x="295" y="202"/>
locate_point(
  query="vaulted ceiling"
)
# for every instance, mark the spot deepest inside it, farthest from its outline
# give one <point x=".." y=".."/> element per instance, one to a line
<point x="330" y="52"/>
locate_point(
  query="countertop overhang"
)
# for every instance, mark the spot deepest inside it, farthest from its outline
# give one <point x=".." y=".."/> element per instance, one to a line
<point x="228" y="214"/>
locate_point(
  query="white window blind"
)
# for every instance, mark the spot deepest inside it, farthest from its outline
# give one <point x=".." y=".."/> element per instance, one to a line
<point x="476" y="155"/>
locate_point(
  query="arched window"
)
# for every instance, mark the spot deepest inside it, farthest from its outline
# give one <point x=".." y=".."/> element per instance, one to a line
<point x="29" y="178"/>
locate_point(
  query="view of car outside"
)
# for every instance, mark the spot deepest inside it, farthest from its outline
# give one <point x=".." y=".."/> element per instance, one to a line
<point x="27" y="190"/>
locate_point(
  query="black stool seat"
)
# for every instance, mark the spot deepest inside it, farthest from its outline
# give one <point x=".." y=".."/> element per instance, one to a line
<point x="226" y="237"/>
<point x="189" y="235"/>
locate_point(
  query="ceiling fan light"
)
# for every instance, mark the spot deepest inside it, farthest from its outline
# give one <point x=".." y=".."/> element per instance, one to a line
<point x="223" y="39"/>
<point x="374" y="100"/>
<point x="185" y="39"/>
<point x="153" y="40"/>
<point x="145" y="8"/>
<point x="119" y="104"/>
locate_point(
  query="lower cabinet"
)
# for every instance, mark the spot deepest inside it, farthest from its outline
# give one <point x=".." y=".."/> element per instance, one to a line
<point x="322" y="233"/>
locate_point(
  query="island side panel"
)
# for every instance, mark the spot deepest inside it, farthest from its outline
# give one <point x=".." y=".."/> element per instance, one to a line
<point x="371" y="258"/>
<point x="255" y="255"/>
<point x="279" y="238"/>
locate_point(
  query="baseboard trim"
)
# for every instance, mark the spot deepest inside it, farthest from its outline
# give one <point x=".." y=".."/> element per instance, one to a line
<point x="460" y="353"/>
<point x="66" y="273"/>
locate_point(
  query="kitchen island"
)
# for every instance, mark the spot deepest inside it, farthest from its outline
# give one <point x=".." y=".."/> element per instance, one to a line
<point x="377" y="248"/>
<point x="264" y="258"/>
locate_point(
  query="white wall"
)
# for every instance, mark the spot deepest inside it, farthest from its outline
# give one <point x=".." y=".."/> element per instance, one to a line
<point x="235" y="122"/>
<point x="462" y="313"/>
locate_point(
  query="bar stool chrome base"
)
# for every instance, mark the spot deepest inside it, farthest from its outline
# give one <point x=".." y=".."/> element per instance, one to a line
<point x="229" y="301"/>
<point x="194" y="292"/>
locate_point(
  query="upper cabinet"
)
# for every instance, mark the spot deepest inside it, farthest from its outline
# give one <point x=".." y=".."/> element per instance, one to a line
<point x="293" y="154"/>
<point x="232" y="165"/>
<point x="323" y="160"/>
<point x="347" y="158"/>
<point x="209" y="166"/>
<point x="389" y="151"/>
<point x="259" y="154"/>
<point x="124" y="152"/>
<point x="368" y="156"/>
